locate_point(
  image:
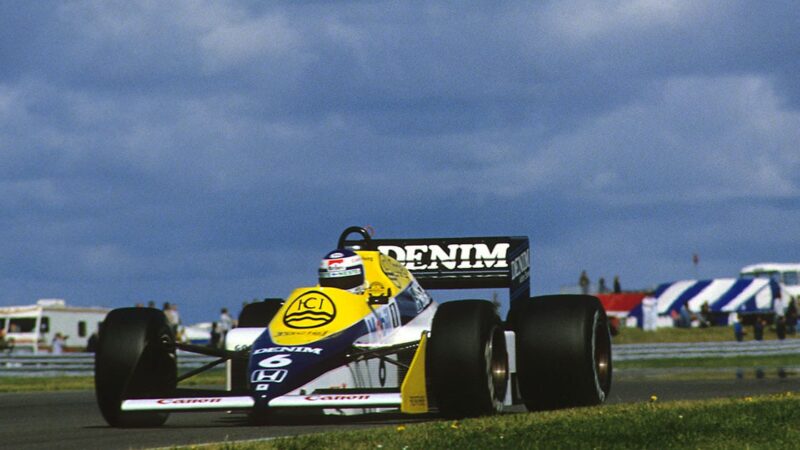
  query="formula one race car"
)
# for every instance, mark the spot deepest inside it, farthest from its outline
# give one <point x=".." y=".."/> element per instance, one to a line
<point x="369" y="338"/>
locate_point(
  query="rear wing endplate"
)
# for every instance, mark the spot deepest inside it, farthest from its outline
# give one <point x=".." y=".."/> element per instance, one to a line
<point x="457" y="263"/>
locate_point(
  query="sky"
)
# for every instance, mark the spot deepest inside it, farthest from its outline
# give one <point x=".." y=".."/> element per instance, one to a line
<point x="210" y="153"/>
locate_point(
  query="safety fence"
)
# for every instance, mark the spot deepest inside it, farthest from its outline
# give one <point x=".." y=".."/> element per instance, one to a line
<point x="632" y="352"/>
<point x="77" y="364"/>
<point x="72" y="364"/>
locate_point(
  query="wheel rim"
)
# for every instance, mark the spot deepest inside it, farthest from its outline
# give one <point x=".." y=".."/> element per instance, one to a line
<point x="497" y="368"/>
<point x="601" y="343"/>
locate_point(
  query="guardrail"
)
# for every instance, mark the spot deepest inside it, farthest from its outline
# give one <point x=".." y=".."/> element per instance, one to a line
<point x="73" y="364"/>
<point x="631" y="352"/>
<point x="82" y="364"/>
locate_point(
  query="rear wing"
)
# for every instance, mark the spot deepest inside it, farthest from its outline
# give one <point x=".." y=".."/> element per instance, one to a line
<point x="457" y="263"/>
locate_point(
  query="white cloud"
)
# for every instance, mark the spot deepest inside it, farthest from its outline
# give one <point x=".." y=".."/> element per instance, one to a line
<point x="247" y="41"/>
<point x="582" y="21"/>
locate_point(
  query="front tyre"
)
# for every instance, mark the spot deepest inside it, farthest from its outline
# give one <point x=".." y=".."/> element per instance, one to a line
<point x="135" y="358"/>
<point x="467" y="360"/>
<point x="563" y="351"/>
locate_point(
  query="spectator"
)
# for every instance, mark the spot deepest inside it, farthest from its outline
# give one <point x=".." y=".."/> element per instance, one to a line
<point x="91" y="343"/>
<point x="171" y="313"/>
<point x="225" y="324"/>
<point x="613" y="325"/>
<point x="738" y="328"/>
<point x="778" y="307"/>
<point x="175" y="315"/>
<point x="780" y="327"/>
<point x="601" y="286"/>
<point x="758" y="329"/>
<point x="58" y="343"/>
<point x="583" y="281"/>
<point x="791" y="317"/>
<point x="5" y="343"/>
<point x="617" y="286"/>
<point x="684" y="316"/>
<point x="649" y="313"/>
<point x="214" y="341"/>
<point x="705" y="315"/>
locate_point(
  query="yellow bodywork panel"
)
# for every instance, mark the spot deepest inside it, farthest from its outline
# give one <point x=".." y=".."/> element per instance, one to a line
<point x="413" y="392"/>
<point x="314" y="313"/>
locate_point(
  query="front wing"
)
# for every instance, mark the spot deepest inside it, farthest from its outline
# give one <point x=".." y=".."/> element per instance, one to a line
<point x="411" y="398"/>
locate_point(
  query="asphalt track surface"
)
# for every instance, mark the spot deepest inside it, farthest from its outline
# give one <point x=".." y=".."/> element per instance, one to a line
<point x="71" y="420"/>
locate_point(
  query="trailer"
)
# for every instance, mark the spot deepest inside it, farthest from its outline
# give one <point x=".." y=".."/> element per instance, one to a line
<point x="787" y="274"/>
<point x="31" y="328"/>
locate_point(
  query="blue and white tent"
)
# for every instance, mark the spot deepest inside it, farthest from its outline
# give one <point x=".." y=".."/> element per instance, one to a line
<point x="724" y="295"/>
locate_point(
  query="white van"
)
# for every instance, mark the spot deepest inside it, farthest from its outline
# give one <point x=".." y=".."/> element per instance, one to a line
<point x="31" y="328"/>
<point x="787" y="274"/>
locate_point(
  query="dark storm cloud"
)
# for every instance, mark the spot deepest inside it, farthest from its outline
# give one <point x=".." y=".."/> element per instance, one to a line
<point x="208" y="153"/>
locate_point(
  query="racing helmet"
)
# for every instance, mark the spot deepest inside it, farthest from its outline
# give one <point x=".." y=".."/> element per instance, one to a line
<point x="343" y="269"/>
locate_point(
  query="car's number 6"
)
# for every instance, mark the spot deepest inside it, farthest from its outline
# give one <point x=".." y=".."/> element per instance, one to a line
<point x="275" y="361"/>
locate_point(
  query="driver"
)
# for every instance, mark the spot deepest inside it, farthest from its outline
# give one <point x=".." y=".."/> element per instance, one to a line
<point x="343" y="269"/>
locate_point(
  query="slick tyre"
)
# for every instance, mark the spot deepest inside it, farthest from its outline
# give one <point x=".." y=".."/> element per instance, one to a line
<point x="135" y="358"/>
<point x="467" y="360"/>
<point x="253" y="315"/>
<point x="259" y="314"/>
<point x="563" y="351"/>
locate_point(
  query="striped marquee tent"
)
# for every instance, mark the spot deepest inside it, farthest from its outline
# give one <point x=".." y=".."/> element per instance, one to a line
<point x="724" y="295"/>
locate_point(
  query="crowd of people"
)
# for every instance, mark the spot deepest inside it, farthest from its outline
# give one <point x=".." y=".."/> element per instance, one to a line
<point x="783" y="320"/>
<point x="586" y="284"/>
<point x="218" y="329"/>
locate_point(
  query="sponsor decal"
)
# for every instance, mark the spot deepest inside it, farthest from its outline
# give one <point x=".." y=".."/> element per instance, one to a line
<point x="341" y="267"/>
<point x="188" y="401"/>
<point x="520" y="266"/>
<point x="315" y="351"/>
<point x="268" y="375"/>
<point x="394" y="271"/>
<point x="275" y="361"/>
<point x="377" y="289"/>
<point x="421" y="298"/>
<point x="310" y="310"/>
<point x="386" y="318"/>
<point x="262" y="387"/>
<point x="302" y="333"/>
<point x="418" y="400"/>
<point x="453" y="257"/>
<point x="333" y="398"/>
<point x="337" y="273"/>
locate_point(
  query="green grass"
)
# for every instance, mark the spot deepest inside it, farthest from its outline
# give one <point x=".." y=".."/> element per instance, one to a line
<point x="28" y="384"/>
<point x="711" y="334"/>
<point x="212" y="378"/>
<point x="768" y="422"/>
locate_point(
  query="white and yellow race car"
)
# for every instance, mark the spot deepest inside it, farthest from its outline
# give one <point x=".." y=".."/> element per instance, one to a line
<point x="370" y="338"/>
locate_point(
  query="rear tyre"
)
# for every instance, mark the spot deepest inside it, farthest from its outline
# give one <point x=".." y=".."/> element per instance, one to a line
<point x="467" y="360"/>
<point x="563" y="351"/>
<point x="135" y="358"/>
<point x="253" y="315"/>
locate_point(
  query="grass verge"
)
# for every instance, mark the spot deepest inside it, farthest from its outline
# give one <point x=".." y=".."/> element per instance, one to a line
<point x="711" y="334"/>
<point x="767" y="422"/>
<point x="213" y="378"/>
